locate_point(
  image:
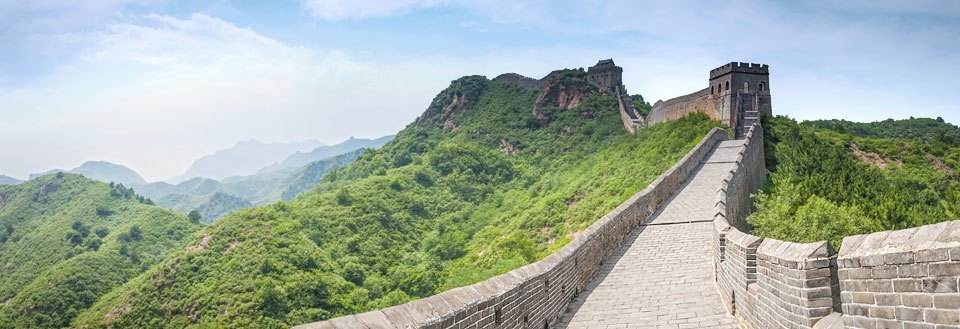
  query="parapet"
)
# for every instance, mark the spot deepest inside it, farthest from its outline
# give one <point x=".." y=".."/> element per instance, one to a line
<point x="740" y="67"/>
<point x="604" y="65"/>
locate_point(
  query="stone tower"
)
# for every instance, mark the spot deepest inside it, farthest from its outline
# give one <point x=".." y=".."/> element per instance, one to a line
<point x="609" y="76"/>
<point x="740" y="93"/>
<point x="606" y="74"/>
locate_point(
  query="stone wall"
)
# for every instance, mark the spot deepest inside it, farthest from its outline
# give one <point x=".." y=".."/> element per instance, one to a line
<point x="679" y="107"/>
<point x="894" y="279"/>
<point x="902" y="279"/>
<point x="534" y="296"/>
<point x="766" y="283"/>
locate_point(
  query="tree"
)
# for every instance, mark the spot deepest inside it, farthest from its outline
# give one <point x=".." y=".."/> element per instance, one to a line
<point x="135" y="232"/>
<point x="194" y="216"/>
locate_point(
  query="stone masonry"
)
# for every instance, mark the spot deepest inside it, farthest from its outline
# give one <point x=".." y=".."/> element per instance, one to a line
<point x="662" y="276"/>
<point x="902" y="279"/>
<point x="737" y="94"/>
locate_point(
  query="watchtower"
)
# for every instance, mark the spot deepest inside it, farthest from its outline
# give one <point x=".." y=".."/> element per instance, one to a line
<point x="606" y="74"/>
<point x="740" y="93"/>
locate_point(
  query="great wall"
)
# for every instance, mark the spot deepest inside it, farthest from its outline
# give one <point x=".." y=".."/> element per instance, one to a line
<point x="678" y="254"/>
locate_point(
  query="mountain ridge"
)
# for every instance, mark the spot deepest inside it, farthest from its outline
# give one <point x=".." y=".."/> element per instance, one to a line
<point x="103" y="171"/>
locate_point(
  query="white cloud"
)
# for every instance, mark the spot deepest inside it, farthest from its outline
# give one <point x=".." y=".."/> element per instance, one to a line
<point x="155" y="92"/>
<point x="335" y="10"/>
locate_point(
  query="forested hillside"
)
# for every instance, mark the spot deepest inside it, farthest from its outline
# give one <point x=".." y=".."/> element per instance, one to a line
<point x="66" y="240"/>
<point x="479" y="185"/>
<point x="924" y="130"/>
<point x="827" y="182"/>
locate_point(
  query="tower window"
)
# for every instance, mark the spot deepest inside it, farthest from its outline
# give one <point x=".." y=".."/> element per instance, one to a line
<point x="761" y="86"/>
<point x="728" y="85"/>
<point x="711" y="90"/>
<point x="746" y="87"/>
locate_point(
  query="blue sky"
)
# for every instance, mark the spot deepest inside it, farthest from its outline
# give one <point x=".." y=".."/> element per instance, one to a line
<point x="155" y="84"/>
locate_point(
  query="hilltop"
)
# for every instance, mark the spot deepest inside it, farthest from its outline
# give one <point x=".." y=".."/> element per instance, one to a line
<point x="478" y="185"/>
<point x="102" y="171"/>
<point x="7" y="180"/>
<point x="66" y="240"/>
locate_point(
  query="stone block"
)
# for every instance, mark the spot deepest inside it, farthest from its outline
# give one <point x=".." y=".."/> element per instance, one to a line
<point x="950" y="317"/>
<point x="940" y="285"/>
<point x="947" y="302"/>
<point x="917" y="300"/>
<point x="863" y="298"/>
<point x="947" y="269"/>
<point x="916" y="325"/>
<point x="888" y="299"/>
<point x="909" y="314"/>
<point x="912" y="270"/>
<point x="908" y="285"/>
<point x="882" y="312"/>
<point x="935" y="255"/>
<point x="898" y="258"/>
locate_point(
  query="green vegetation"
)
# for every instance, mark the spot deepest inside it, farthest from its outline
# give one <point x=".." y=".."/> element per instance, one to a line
<point x="310" y="175"/>
<point x="643" y="107"/>
<point x="477" y="186"/>
<point x="213" y="198"/>
<point x="924" y="130"/>
<point x="826" y="182"/>
<point x="67" y="240"/>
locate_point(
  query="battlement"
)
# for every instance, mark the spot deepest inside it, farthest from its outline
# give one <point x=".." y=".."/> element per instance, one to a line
<point x="740" y="67"/>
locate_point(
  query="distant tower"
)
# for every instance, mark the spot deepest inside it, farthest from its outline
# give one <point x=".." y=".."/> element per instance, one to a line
<point x="609" y="76"/>
<point x="606" y="74"/>
<point x="740" y="93"/>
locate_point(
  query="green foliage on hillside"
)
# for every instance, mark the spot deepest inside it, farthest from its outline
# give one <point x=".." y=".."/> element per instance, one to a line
<point x="310" y="175"/>
<point x="475" y="187"/>
<point x="924" y="130"/>
<point x="827" y="184"/>
<point x="642" y="106"/>
<point x="67" y="240"/>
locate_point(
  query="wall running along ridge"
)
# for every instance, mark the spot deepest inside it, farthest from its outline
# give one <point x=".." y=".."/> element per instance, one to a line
<point x="902" y="279"/>
<point x="536" y="295"/>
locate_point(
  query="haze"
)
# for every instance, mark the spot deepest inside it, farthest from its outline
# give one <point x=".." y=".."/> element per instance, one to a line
<point x="154" y="85"/>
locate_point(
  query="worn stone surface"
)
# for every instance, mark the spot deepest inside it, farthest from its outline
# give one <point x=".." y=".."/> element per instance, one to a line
<point x="662" y="276"/>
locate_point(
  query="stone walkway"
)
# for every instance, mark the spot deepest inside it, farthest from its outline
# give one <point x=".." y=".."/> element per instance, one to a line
<point x="662" y="276"/>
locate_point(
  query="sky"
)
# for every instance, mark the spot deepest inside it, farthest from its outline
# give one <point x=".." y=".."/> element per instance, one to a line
<point x="156" y="84"/>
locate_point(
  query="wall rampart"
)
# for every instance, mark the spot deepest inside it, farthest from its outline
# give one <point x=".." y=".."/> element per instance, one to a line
<point x="536" y="295"/>
<point x="903" y="279"/>
<point x="679" y="107"/>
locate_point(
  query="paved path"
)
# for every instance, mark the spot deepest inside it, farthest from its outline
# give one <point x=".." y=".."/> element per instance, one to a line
<point x="662" y="276"/>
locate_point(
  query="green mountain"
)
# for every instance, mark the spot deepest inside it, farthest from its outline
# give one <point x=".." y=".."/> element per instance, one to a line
<point x="216" y="198"/>
<point x="480" y="184"/>
<point x="211" y="207"/>
<point x="925" y="130"/>
<point x="310" y="175"/>
<point x="66" y="240"/>
<point x="7" y="180"/>
<point x="102" y="171"/>
<point x="828" y="182"/>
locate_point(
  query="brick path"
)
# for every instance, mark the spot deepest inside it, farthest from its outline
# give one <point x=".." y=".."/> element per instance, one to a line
<point x="662" y="276"/>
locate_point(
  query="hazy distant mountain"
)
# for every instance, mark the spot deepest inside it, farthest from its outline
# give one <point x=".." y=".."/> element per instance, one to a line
<point x="7" y="180"/>
<point x="301" y="159"/>
<point x="245" y="158"/>
<point x="102" y="171"/>
<point x="309" y="176"/>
